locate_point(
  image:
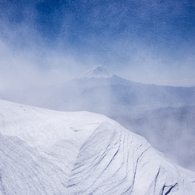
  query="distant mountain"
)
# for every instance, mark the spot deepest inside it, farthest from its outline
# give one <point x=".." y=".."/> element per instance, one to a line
<point x="98" y="72"/>
<point x="98" y="89"/>
<point x="102" y="92"/>
<point x="50" y="152"/>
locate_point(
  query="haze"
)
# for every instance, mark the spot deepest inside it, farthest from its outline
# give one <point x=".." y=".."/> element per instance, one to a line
<point x="44" y="42"/>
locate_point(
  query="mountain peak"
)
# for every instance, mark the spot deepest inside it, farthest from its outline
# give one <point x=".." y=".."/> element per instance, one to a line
<point x="97" y="72"/>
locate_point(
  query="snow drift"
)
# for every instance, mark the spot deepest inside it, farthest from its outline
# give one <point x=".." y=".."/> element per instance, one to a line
<point x="50" y="152"/>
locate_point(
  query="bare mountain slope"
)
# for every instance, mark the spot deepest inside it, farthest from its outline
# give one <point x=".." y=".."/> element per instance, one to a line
<point x="50" y="152"/>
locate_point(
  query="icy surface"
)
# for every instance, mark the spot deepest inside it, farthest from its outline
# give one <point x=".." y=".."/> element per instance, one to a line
<point x="50" y="152"/>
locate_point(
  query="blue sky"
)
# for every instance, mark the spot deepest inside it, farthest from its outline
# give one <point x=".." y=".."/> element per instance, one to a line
<point x="149" y="41"/>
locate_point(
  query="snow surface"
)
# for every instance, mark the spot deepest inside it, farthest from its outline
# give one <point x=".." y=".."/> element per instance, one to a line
<point x="97" y="72"/>
<point x="50" y="152"/>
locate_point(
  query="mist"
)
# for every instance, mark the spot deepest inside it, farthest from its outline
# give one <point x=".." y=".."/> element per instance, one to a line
<point x="143" y="42"/>
<point x="45" y="46"/>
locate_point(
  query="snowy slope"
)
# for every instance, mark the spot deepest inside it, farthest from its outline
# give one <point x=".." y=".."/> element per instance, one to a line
<point x="50" y="152"/>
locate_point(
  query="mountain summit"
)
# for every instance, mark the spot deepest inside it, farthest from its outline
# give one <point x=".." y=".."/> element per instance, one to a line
<point x="97" y="72"/>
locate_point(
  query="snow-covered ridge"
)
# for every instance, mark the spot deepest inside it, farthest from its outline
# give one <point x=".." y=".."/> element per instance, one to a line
<point x="97" y="72"/>
<point x="50" y="152"/>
